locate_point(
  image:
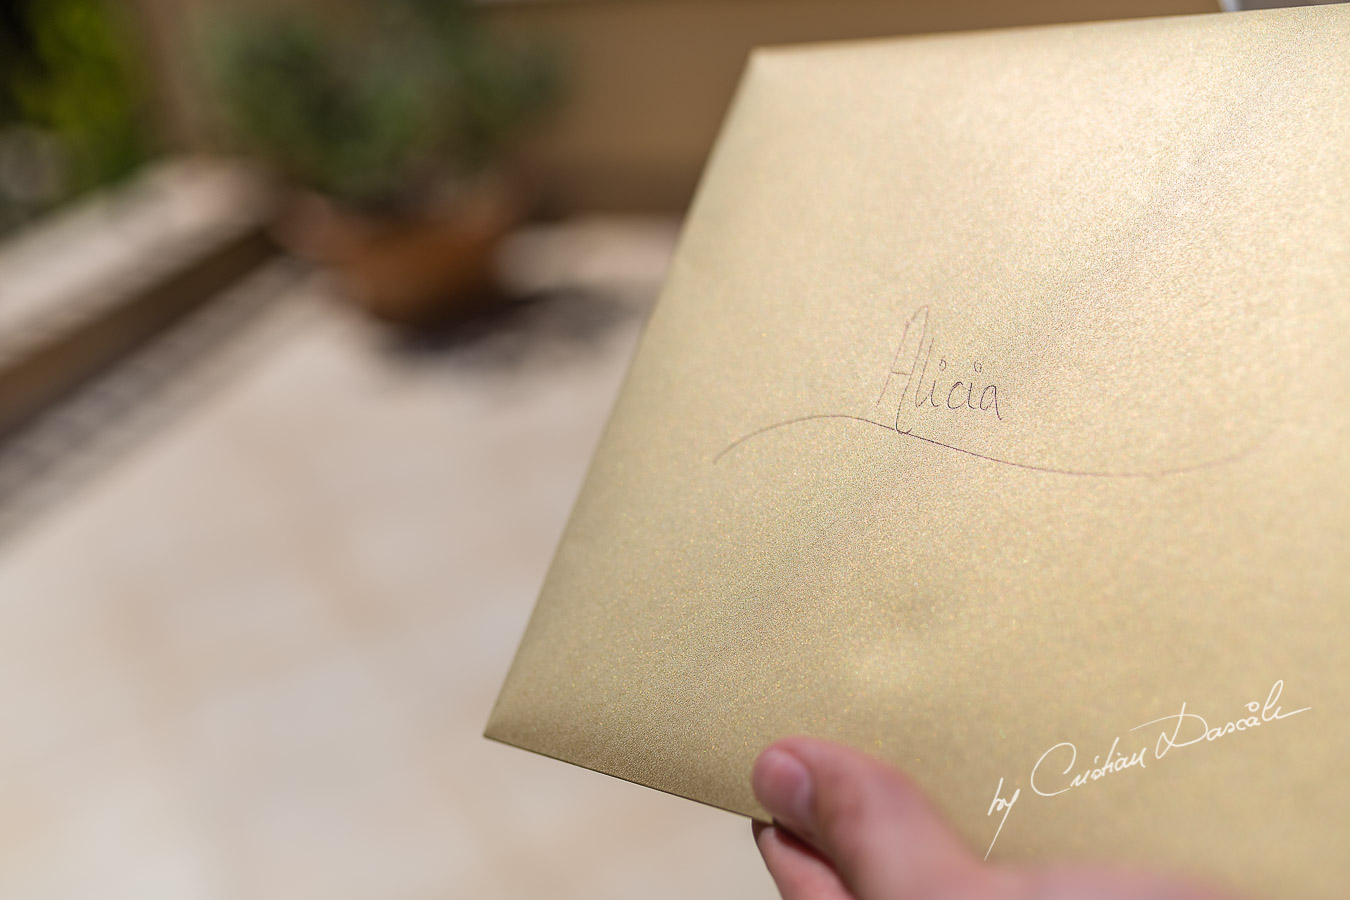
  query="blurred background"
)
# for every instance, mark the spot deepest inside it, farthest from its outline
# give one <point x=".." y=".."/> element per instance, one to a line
<point x="311" y="313"/>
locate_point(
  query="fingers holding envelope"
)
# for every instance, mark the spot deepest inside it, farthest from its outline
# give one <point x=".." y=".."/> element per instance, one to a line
<point x="849" y="827"/>
<point x="799" y="871"/>
<point x="880" y="834"/>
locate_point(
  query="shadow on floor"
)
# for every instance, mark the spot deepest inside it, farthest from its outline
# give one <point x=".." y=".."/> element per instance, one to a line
<point x="543" y="327"/>
<point x="48" y="462"/>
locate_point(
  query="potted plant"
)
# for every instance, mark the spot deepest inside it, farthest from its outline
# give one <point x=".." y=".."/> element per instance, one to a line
<point x="395" y="138"/>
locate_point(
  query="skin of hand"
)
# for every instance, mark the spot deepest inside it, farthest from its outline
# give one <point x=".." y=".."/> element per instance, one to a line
<point x="848" y="827"/>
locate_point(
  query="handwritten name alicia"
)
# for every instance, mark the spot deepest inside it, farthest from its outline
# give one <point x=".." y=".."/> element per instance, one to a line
<point x="914" y="382"/>
<point x="922" y="394"/>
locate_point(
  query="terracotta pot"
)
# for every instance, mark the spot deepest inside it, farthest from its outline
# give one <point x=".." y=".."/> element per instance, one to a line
<point x="432" y="269"/>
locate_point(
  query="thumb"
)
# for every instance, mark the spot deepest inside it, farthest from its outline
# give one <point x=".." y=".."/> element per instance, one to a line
<point x="872" y="823"/>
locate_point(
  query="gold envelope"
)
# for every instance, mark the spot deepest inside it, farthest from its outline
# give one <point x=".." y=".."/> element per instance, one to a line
<point x="995" y="420"/>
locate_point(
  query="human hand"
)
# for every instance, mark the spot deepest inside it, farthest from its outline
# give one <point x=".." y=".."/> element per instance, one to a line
<point x="848" y="827"/>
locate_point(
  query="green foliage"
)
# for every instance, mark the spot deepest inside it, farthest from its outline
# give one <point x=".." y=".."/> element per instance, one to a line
<point x="17" y="56"/>
<point x="77" y="83"/>
<point x="70" y="112"/>
<point x="374" y="119"/>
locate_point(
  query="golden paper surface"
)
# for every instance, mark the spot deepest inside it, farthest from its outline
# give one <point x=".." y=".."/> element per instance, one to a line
<point x="994" y="420"/>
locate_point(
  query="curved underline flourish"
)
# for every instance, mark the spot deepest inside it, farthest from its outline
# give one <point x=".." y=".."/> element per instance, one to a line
<point x="1052" y="470"/>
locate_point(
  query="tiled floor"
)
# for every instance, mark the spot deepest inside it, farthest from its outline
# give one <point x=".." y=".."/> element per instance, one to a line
<point x="252" y="657"/>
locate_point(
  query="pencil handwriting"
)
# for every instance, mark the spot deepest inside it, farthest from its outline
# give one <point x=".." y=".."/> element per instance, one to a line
<point x="920" y="387"/>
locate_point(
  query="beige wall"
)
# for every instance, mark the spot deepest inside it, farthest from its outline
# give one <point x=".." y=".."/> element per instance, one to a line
<point x="651" y="79"/>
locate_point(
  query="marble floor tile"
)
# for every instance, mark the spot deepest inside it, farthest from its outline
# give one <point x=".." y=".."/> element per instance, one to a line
<point x="253" y="656"/>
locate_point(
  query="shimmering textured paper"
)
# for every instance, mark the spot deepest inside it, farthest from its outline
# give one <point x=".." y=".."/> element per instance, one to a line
<point x="995" y="420"/>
